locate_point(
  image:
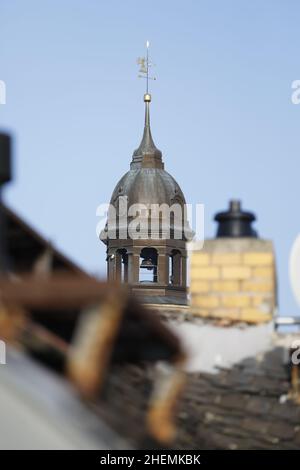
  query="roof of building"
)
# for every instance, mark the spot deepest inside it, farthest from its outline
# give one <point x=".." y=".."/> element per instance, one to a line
<point x="244" y="407"/>
<point x="147" y="182"/>
<point x="247" y="405"/>
<point x="59" y="310"/>
<point x="25" y="246"/>
<point x="148" y="186"/>
<point x="42" y="411"/>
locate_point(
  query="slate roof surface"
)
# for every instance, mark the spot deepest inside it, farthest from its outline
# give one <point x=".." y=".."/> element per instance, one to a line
<point x="245" y="407"/>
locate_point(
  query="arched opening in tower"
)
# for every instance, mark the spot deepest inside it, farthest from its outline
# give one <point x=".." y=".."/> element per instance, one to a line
<point x="148" y="265"/>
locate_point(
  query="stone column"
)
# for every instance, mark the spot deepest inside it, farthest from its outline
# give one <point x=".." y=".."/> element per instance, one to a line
<point x="177" y="275"/>
<point x="163" y="268"/>
<point x="111" y="259"/>
<point x="183" y="270"/>
<point x="133" y="268"/>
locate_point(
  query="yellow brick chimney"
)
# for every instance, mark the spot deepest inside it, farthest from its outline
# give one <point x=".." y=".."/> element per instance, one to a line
<point x="233" y="278"/>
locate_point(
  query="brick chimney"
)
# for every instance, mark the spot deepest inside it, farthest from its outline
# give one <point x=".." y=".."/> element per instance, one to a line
<point x="233" y="277"/>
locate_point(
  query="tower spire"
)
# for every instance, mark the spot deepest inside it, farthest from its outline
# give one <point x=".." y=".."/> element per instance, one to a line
<point x="147" y="146"/>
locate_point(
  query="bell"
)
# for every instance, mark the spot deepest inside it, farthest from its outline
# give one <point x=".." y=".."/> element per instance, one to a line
<point x="147" y="264"/>
<point x="235" y="222"/>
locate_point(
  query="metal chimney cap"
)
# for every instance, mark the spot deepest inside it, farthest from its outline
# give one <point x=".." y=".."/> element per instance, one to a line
<point x="235" y="222"/>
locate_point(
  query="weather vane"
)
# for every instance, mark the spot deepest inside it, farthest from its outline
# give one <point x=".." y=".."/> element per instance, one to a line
<point x="145" y="64"/>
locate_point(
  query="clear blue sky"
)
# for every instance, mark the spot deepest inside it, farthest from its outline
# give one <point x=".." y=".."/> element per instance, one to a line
<point x="221" y="110"/>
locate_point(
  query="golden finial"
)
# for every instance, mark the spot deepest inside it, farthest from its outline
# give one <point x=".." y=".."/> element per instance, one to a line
<point x="145" y="64"/>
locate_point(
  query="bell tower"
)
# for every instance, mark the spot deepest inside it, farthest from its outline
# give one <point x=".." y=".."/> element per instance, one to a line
<point x="147" y="226"/>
